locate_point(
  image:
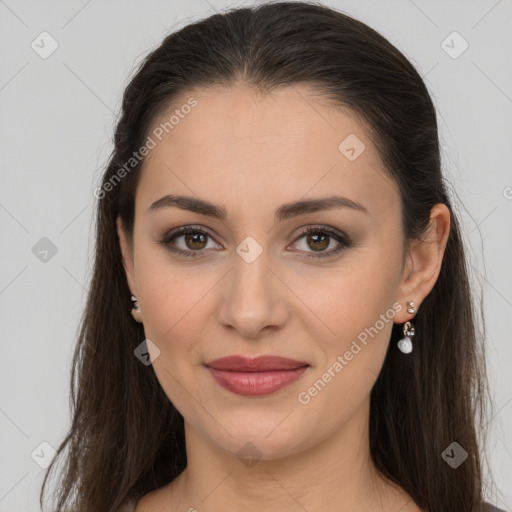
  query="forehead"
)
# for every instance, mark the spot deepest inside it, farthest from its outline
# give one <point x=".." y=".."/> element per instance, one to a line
<point x="239" y="145"/>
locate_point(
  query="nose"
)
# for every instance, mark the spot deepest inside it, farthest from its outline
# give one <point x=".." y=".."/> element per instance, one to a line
<point x="254" y="298"/>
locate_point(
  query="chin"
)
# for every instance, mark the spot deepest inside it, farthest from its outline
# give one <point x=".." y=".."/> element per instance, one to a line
<point x="262" y="438"/>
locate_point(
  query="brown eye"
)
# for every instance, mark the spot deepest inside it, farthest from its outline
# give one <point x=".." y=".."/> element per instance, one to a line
<point x="314" y="241"/>
<point x="318" y="242"/>
<point x="195" y="241"/>
<point x="188" y="241"/>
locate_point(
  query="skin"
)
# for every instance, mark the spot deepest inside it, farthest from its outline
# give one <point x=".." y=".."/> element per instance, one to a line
<point x="251" y="153"/>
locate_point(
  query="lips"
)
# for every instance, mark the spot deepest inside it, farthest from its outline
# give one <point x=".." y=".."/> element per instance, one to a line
<point x="258" y="364"/>
<point x="255" y="376"/>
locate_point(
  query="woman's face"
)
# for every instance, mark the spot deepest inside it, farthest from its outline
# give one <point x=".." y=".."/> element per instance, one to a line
<point x="254" y="284"/>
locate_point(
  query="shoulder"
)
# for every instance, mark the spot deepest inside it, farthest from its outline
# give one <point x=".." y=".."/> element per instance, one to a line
<point x="153" y="500"/>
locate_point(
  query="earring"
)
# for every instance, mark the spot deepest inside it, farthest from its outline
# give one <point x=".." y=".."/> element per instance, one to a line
<point x="134" y="305"/>
<point x="405" y="344"/>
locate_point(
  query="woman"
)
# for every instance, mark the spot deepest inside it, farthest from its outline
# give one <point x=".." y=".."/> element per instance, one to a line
<point x="301" y="331"/>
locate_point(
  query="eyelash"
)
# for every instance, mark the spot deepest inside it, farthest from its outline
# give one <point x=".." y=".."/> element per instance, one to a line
<point x="186" y="230"/>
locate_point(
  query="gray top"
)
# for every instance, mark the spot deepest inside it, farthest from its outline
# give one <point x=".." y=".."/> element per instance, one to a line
<point x="492" y="508"/>
<point x="130" y="507"/>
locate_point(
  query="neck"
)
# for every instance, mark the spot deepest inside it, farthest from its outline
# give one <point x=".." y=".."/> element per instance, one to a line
<point x="337" y="474"/>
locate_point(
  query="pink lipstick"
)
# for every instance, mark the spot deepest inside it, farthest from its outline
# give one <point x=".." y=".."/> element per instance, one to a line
<point x="255" y="376"/>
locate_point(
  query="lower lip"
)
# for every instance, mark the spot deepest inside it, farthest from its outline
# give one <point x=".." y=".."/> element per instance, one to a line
<point x="256" y="383"/>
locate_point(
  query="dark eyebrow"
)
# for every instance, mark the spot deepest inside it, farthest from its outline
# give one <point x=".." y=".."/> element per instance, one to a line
<point x="284" y="212"/>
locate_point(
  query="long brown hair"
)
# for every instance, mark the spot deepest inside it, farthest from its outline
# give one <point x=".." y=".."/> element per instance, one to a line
<point x="126" y="437"/>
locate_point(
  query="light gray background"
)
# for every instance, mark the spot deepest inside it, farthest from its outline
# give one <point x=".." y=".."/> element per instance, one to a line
<point x="57" y="118"/>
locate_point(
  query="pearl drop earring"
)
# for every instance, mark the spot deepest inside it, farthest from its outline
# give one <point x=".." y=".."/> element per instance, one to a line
<point x="405" y="344"/>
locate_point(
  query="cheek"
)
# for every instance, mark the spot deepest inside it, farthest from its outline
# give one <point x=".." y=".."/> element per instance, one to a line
<point x="353" y="297"/>
<point x="173" y="302"/>
<point x="172" y="308"/>
<point x="358" y="305"/>
<point x="351" y="360"/>
<point x="170" y="296"/>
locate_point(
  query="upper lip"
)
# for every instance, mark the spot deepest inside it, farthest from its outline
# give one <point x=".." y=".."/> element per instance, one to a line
<point x="255" y="364"/>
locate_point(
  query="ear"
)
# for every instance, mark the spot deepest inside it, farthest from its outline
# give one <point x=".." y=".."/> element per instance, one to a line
<point x="423" y="262"/>
<point x="127" y="253"/>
